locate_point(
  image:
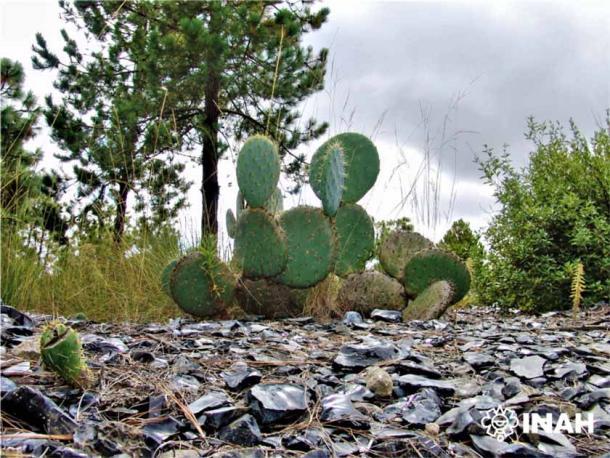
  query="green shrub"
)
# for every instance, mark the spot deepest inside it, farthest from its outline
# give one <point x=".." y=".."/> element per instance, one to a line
<point x="554" y="212"/>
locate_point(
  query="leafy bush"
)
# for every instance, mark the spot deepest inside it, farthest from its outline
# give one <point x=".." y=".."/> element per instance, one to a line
<point x="555" y="213"/>
<point x="461" y="241"/>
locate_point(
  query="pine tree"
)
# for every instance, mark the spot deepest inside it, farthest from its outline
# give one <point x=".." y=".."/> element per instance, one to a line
<point x="462" y="241"/>
<point x="109" y="126"/>
<point x="28" y="198"/>
<point x="220" y="71"/>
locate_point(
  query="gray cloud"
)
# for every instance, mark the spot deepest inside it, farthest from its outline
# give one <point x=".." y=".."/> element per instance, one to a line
<point x="507" y="61"/>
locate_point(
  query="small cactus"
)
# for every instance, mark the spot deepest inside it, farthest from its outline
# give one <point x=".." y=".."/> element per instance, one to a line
<point x="258" y="170"/>
<point x="431" y="303"/>
<point x="202" y="288"/>
<point x="311" y="246"/>
<point x="398" y="248"/>
<point x="429" y="266"/>
<point x="62" y="352"/>
<point x="355" y="239"/>
<point x="365" y="291"/>
<point x="231" y="223"/>
<point x="327" y="176"/>
<point x="260" y="244"/>
<point x="166" y="275"/>
<point x="361" y="162"/>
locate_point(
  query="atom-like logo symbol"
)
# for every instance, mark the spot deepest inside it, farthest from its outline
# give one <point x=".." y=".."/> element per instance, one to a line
<point x="500" y="422"/>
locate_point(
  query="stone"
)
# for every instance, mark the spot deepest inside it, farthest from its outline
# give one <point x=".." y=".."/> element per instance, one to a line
<point x="361" y="355"/>
<point x="389" y="316"/>
<point x="240" y="376"/>
<point x="38" y="411"/>
<point x="243" y="431"/>
<point x="529" y="367"/>
<point x="277" y="402"/>
<point x="478" y="360"/>
<point x="339" y="410"/>
<point x="210" y="400"/>
<point x="379" y="381"/>
<point x="413" y="382"/>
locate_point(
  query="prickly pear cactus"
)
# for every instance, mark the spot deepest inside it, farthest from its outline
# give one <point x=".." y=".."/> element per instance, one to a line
<point x="397" y="248"/>
<point x="355" y="239"/>
<point x="369" y="290"/>
<point x="202" y="288"/>
<point x="311" y="246"/>
<point x="260" y="244"/>
<point x="62" y="352"/>
<point x="258" y="170"/>
<point x="231" y="223"/>
<point x="275" y="203"/>
<point x="429" y="266"/>
<point x="327" y="176"/>
<point x="166" y="275"/>
<point x="361" y="161"/>
<point x="270" y="299"/>
<point x="431" y="303"/>
<point x="240" y="204"/>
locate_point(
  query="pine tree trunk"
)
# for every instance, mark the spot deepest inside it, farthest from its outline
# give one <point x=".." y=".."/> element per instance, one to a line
<point x="209" y="155"/>
<point x="121" y="211"/>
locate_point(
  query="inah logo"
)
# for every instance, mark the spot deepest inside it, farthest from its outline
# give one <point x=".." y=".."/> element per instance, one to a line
<point x="500" y="422"/>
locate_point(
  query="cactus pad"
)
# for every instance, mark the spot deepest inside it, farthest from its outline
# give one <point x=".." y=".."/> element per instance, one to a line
<point x="311" y="246"/>
<point x="166" y="275"/>
<point x="231" y="223"/>
<point x="240" y="205"/>
<point x="429" y="266"/>
<point x="366" y="291"/>
<point x="275" y="203"/>
<point x="361" y="164"/>
<point x="270" y="299"/>
<point x="431" y="303"/>
<point x="355" y="239"/>
<point x="62" y="352"/>
<point x="258" y="170"/>
<point x="397" y="248"/>
<point x="202" y="288"/>
<point x="327" y="176"/>
<point x="260" y="245"/>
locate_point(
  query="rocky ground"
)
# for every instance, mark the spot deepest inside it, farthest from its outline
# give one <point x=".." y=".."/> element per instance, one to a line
<point x="373" y="387"/>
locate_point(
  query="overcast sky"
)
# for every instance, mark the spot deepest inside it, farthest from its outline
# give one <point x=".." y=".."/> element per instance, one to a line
<point x="443" y="77"/>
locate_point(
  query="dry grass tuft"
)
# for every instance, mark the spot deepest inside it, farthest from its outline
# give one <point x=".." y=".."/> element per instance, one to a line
<point x="322" y="300"/>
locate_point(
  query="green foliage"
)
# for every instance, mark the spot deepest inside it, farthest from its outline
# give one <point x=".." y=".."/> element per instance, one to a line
<point x="553" y="212"/>
<point x="355" y="236"/>
<point x="260" y="244"/>
<point x="110" y="128"/>
<point x="311" y="246"/>
<point x="327" y="177"/>
<point x="398" y="247"/>
<point x="28" y="199"/>
<point x="361" y="163"/>
<point x="258" y="170"/>
<point x="432" y="265"/>
<point x="462" y="241"/>
<point x="61" y="351"/>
